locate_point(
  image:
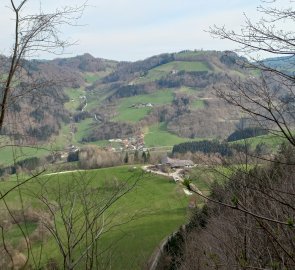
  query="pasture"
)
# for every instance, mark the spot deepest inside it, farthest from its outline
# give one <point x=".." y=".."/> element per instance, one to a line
<point x="132" y="226"/>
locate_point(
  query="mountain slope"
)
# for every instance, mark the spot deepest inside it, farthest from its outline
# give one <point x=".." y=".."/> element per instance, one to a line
<point x="94" y="100"/>
<point x="175" y="90"/>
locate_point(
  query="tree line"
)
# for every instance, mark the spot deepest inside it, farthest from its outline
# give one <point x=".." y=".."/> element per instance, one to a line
<point x="205" y="146"/>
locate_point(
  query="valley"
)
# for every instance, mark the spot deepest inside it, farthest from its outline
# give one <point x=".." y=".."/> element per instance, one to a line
<point x="117" y="103"/>
<point x="95" y="152"/>
<point x="106" y="102"/>
<point x="150" y="156"/>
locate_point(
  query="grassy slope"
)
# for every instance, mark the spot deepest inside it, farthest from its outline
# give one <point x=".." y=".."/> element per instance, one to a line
<point x="151" y="76"/>
<point x="91" y="77"/>
<point x="9" y="154"/>
<point x="97" y="97"/>
<point x="83" y="128"/>
<point x="204" y="177"/>
<point x="125" y="113"/>
<point x="198" y="104"/>
<point x="272" y="141"/>
<point x="130" y="114"/>
<point x="158" y="135"/>
<point x="188" y="90"/>
<point x="183" y="65"/>
<point x="74" y="95"/>
<point x="162" y="70"/>
<point x="160" y="206"/>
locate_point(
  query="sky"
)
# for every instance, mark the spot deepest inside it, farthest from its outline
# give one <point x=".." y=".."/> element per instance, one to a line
<point x="136" y="29"/>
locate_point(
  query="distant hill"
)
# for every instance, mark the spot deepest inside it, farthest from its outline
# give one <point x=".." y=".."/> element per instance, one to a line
<point x="179" y="89"/>
<point x="285" y="64"/>
<point x="165" y="99"/>
<point x="84" y="63"/>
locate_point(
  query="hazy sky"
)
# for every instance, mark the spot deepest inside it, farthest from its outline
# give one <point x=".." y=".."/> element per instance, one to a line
<point x="136" y="29"/>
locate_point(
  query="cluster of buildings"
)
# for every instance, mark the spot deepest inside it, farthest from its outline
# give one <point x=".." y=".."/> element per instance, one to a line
<point x="131" y="143"/>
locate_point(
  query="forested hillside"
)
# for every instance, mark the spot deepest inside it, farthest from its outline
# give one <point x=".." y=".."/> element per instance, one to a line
<point x="160" y="101"/>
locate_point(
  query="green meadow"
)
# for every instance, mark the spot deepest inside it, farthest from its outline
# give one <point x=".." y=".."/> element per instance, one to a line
<point x="163" y="70"/>
<point x="271" y="141"/>
<point x="129" y="114"/>
<point x="135" y="224"/>
<point x="198" y="104"/>
<point x="11" y="154"/>
<point x="74" y="96"/>
<point x="183" y="65"/>
<point x="158" y="135"/>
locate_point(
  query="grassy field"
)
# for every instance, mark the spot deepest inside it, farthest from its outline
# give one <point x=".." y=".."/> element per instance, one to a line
<point x="151" y="76"/>
<point x="83" y="128"/>
<point x="272" y="142"/>
<point x="183" y="65"/>
<point x="188" y="90"/>
<point x="157" y="135"/>
<point x="162" y="70"/>
<point x="203" y="177"/>
<point x="65" y="136"/>
<point x="97" y="97"/>
<point x="74" y="95"/>
<point x="9" y="154"/>
<point x="151" y="211"/>
<point x="91" y="77"/>
<point x="198" y="104"/>
<point x="126" y="113"/>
